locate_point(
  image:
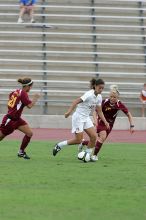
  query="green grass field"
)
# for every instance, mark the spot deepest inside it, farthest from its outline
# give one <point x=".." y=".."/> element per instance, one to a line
<point x="62" y="187"/>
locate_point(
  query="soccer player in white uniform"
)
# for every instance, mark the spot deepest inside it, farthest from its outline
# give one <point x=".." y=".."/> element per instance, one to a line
<point x="81" y="120"/>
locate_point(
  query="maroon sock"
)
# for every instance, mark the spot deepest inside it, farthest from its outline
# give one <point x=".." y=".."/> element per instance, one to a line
<point x="24" y="143"/>
<point x="85" y="142"/>
<point x="97" y="147"/>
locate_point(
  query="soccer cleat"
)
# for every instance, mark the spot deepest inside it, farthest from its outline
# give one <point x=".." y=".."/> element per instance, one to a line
<point x="56" y="149"/>
<point x="24" y="155"/>
<point x="94" y="158"/>
<point x="32" y="21"/>
<point x="80" y="147"/>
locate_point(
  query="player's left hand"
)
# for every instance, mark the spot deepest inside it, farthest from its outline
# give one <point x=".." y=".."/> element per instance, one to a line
<point x="107" y="125"/>
<point x="131" y="130"/>
<point x="67" y="114"/>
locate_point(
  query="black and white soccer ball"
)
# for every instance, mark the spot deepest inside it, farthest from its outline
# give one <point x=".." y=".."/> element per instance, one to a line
<point x="84" y="156"/>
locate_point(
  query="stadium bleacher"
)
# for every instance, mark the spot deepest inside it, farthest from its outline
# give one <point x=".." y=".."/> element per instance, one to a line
<point x="71" y="42"/>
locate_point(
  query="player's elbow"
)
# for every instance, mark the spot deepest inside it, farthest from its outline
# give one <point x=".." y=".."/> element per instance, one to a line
<point x="29" y="106"/>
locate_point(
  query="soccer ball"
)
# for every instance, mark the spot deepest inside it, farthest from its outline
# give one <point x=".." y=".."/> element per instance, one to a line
<point x="84" y="156"/>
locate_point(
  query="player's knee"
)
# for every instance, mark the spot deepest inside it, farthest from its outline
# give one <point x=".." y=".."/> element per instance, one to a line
<point x="30" y="134"/>
<point x="102" y="139"/>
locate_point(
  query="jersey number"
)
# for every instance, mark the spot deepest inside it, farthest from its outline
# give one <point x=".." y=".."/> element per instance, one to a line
<point x="12" y="101"/>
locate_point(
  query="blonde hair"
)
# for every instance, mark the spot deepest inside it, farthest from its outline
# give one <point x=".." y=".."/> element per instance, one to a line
<point x="114" y="89"/>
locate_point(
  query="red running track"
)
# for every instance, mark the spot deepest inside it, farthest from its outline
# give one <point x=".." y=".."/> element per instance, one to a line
<point x="63" y="134"/>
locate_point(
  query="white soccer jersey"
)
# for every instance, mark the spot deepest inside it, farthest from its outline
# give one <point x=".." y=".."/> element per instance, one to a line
<point x="90" y="101"/>
<point x="143" y="93"/>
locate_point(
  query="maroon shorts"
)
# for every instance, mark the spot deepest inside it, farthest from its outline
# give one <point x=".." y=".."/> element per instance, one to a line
<point x="101" y="127"/>
<point x="8" y="126"/>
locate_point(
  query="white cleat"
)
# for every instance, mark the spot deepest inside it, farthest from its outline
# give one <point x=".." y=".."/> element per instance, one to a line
<point x="94" y="158"/>
<point x="80" y="147"/>
<point x="20" y="21"/>
<point x="32" y="21"/>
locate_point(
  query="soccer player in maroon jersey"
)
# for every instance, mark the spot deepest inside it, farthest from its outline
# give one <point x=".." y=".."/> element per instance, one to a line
<point x="18" y="99"/>
<point x="110" y="107"/>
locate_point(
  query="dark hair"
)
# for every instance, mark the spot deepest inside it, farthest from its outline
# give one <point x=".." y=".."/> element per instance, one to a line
<point x="95" y="82"/>
<point x="92" y="83"/>
<point x="25" y="81"/>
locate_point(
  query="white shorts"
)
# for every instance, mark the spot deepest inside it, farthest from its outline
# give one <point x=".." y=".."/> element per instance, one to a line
<point x="79" y="124"/>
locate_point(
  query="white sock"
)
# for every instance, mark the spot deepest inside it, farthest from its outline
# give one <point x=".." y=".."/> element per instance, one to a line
<point x="62" y="144"/>
<point x="20" y="151"/>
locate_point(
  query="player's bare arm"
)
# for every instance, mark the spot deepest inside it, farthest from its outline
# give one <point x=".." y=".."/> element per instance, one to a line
<point x="101" y="115"/>
<point x="34" y="100"/>
<point x="72" y="107"/>
<point x="130" y="118"/>
<point x="95" y="118"/>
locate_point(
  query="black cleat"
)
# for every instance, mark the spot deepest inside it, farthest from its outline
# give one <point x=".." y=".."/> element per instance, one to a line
<point x="56" y="149"/>
<point x="24" y="155"/>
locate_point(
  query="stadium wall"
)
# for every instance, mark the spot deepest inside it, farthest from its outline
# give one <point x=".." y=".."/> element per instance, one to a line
<point x="58" y="121"/>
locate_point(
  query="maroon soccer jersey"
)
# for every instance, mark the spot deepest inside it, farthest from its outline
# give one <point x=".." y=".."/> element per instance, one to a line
<point x="110" y="111"/>
<point x="18" y="99"/>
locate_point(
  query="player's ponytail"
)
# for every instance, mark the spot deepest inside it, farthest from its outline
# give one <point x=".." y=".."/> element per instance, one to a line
<point x="92" y="83"/>
<point x="25" y="81"/>
<point x="95" y="82"/>
<point x="20" y="81"/>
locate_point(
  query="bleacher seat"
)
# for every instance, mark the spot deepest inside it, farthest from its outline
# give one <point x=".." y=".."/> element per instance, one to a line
<point x="70" y="43"/>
